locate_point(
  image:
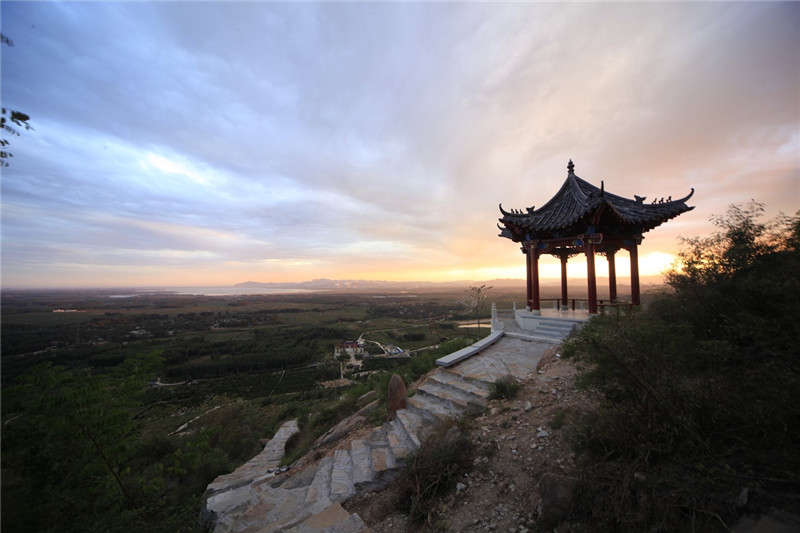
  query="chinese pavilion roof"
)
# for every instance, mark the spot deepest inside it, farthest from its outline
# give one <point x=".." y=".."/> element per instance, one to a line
<point x="581" y="208"/>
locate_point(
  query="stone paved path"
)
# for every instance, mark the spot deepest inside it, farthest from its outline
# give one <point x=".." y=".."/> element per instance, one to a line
<point x="253" y="500"/>
<point x="235" y="490"/>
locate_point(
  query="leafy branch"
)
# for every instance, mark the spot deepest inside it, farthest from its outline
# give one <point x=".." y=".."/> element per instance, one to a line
<point x="9" y="117"/>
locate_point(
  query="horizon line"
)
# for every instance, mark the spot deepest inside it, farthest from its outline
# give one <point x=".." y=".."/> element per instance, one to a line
<point x="146" y="287"/>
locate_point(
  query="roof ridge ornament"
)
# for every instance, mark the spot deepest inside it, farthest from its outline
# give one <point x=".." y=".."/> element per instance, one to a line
<point x="570" y="167"/>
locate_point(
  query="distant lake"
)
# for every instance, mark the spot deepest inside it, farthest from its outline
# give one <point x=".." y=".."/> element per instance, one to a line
<point x="210" y="291"/>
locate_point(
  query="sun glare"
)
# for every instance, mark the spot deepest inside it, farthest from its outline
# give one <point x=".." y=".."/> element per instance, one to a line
<point x="656" y="263"/>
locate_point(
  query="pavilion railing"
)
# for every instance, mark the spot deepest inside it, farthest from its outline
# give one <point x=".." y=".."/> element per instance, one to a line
<point x="581" y="304"/>
<point x="573" y="304"/>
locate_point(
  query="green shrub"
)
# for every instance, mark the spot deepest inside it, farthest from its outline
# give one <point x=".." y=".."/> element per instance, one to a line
<point x="504" y="388"/>
<point x="700" y="395"/>
<point x="558" y="419"/>
<point x="678" y="408"/>
<point x="434" y="470"/>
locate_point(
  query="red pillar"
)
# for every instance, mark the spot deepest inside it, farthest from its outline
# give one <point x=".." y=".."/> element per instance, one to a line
<point x="535" y="301"/>
<point x="612" y="277"/>
<point x="529" y="287"/>
<point x="564" y="279"/>
<point x="591" y="278"/>
<point x="635" y="298"/>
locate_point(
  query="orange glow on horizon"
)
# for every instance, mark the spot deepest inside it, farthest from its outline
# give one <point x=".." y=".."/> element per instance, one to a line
<point x="651" y="264"/>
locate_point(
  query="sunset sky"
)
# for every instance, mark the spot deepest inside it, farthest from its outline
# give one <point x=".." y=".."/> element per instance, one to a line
<point x="180" y="143"/>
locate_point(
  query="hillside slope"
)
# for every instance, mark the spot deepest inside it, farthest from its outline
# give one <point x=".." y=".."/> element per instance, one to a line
<point x="517" y="442"/>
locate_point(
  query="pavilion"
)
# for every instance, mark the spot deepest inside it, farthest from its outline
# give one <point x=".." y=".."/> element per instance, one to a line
<point x="582" y="218"/>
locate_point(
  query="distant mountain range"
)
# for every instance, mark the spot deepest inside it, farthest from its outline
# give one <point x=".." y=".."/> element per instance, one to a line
<point x="361" y="284"/>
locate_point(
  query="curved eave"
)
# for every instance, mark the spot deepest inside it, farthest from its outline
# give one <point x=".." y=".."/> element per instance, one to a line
<point x="572" y="208"/>
<point x="507" y="233"/>
<point x="654" y="224"/>
<point x="649" y="216"/>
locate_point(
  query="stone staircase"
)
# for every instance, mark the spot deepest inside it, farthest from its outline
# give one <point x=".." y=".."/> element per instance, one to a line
<point x="309" y="498"/>
<point x="553" y="329"/>
<point x="537" y="326"/>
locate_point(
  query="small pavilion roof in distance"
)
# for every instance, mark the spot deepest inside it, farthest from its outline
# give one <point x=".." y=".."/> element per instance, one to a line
<point x="582" y="208"/>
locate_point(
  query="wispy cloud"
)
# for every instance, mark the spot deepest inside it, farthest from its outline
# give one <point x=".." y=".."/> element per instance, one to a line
<point x="216" y="142"/>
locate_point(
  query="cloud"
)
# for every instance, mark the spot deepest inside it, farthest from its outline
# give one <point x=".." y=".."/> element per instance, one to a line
<point x="264" y="139"/>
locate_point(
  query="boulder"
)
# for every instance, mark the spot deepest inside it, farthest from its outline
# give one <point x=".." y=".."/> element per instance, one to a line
<point x="397" y="396"/>
<point x="558" y="494"/>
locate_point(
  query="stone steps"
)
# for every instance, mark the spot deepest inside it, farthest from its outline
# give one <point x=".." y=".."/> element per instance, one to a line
<point x="383" y="458"/>
<point x="321" y="485"/>
<point x="333" y="519"/>
<point x="399" y="441"/>
<point x="455" y="379"/>
<point x="313" y="496"/>
<point x="281" y="508"/>
<point x="309" y="500"/>
<point x="440" y="408"/>
<point x="363" y="471"/>
<point x="461" y="394"/>
<point x="550" y="329"/>
<point x="342" y="482"/>
<point x="554" y="329"/>
<point x="412" y="423"/>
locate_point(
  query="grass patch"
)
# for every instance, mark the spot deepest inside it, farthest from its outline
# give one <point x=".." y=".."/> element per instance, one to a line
<point x="504" y="388"/>
<point x="558" y="419"/>
<point x="314" y="424"/>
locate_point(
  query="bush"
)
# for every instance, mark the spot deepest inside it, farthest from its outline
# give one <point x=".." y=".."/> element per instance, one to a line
<point x="700" y="392"/>
<point x="558" y="419"/>
<point x="504" y="388"/>
<point x="434" y="470"/>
